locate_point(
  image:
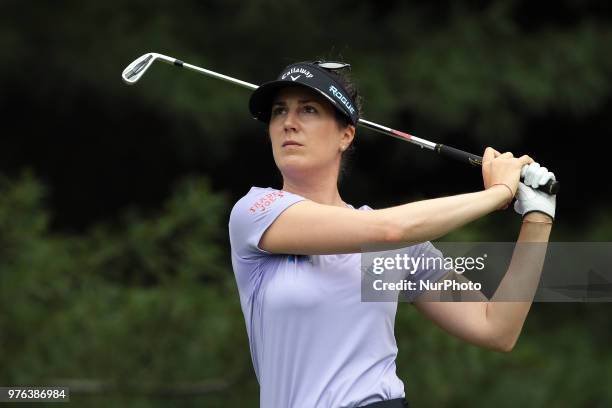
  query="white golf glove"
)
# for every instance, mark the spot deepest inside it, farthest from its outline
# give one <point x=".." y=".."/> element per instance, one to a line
<point x="529" y="199"/>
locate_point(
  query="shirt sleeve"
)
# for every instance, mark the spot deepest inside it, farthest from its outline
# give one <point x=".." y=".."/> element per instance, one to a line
<point x="432" y="269"/>
<point x="251" y="217"/>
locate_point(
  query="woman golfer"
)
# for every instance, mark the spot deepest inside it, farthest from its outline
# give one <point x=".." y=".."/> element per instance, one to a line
<point x="297" y="263"/>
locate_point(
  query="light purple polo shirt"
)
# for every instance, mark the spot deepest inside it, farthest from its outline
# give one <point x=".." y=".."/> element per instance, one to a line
<point x="314" y="344"/>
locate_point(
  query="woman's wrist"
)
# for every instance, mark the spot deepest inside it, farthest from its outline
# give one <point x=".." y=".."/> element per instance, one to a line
<point x="537" y="217"/>
<point x="503" y="194"/>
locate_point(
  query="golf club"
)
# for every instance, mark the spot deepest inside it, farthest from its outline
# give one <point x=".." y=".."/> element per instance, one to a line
<point x="133" y="72"/>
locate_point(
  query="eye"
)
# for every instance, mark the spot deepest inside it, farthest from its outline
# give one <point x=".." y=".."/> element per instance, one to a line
<point x="278" y="110"/>
<point x="309" y="109"/>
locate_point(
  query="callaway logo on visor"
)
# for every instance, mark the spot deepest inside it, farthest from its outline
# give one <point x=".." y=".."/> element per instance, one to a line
<point x="298" y="71"/>
<point x="311" y="75"/>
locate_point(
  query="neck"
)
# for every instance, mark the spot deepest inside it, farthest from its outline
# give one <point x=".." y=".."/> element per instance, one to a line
<point x="322" y="190"/>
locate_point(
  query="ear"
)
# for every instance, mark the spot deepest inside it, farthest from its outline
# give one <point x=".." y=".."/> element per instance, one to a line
<point x="348" y="134"/>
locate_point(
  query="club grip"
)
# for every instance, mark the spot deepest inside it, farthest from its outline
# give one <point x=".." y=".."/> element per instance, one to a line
<point x="552" y="187"/>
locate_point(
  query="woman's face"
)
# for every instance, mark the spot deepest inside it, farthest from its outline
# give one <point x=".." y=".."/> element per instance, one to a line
<point x="304" y="133"/>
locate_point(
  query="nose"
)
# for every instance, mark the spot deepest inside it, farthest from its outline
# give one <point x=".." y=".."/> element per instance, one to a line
<point x="290" y="122"/>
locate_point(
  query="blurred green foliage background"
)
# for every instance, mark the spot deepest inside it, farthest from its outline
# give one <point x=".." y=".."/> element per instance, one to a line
<point x="115" y="275"/>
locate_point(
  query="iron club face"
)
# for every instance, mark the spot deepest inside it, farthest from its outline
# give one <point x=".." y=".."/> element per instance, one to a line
<point x="132" y="73"/>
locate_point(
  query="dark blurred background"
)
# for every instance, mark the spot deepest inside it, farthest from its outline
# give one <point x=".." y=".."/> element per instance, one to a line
<point x="115" y="275"/>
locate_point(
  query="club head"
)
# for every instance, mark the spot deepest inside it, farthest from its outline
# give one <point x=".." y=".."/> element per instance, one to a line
<point x="132" y="73"/>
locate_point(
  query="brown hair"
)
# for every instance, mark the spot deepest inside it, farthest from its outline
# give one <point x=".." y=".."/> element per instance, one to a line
<point x="344" y="78"/>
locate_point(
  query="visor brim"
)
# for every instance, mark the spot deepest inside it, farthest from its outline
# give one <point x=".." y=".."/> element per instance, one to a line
<point x="260" y="103"/>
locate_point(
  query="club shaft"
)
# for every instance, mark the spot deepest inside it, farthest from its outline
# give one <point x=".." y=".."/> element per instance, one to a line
<point x="207" y="72"/>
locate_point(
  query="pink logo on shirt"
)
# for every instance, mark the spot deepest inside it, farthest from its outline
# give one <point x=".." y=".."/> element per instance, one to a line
<point x="265" y="201"/>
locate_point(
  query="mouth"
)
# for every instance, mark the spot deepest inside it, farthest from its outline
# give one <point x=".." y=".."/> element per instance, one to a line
<point x="291" y="143"/>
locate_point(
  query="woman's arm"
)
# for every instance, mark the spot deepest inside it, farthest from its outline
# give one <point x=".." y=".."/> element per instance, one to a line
<point x="308" y="228"/>
<point x="497" y="324"/>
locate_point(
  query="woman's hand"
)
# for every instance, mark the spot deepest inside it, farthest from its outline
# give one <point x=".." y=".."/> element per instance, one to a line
<point x="503" y="170"/>
<point x="528" y="199"/>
